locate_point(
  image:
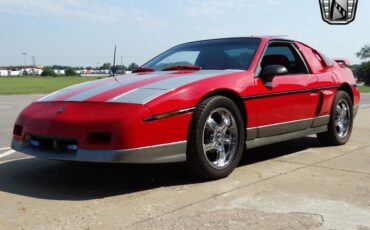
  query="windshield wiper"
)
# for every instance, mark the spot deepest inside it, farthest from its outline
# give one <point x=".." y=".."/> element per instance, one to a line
<point x="143" y="69"/>
<point x="182" y="67"/>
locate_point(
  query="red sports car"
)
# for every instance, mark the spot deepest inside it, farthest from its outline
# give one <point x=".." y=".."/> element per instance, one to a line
<point x="203" y="103"/>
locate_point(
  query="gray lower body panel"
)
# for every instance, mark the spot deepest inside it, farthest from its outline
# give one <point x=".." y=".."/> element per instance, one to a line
<point x="284" y="137"/>
<point x="286" y="127"/>
<point x="167" y="153"/>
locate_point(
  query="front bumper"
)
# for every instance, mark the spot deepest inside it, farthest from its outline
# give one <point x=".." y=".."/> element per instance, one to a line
<point x="165" y="153"/>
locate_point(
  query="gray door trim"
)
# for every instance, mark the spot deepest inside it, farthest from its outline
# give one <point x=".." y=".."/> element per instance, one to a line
<point x="284" y="137"/>
<point x="286" y="127"/>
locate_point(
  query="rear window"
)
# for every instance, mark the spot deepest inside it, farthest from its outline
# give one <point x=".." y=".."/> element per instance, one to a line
<point x="328" y="61"/>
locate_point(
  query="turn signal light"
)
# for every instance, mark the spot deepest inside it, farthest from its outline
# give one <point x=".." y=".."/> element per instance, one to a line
<point x="169" y="114"/>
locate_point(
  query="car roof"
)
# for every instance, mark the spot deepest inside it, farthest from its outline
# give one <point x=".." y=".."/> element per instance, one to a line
<point x="264" y="37"/>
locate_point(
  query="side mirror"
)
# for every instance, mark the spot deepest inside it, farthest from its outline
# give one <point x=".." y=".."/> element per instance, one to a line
<point x="273" y="70"/>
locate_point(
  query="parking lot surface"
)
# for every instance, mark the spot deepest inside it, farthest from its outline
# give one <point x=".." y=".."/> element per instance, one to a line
<point x="297" y="184"/>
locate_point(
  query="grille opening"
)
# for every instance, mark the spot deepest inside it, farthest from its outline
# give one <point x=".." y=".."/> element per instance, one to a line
<point x="50" y="144"/>
<point x="17" y="131"/>
<point x="99" y="138"/>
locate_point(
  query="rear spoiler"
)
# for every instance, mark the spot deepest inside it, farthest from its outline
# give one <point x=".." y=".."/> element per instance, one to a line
<point x="343" y="61"/>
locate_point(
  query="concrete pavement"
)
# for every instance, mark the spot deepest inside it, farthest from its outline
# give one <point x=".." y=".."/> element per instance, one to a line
<point x="292" y="185"/>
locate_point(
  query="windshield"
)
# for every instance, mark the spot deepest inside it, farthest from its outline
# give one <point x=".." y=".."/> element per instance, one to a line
<point x="220" y="54"/>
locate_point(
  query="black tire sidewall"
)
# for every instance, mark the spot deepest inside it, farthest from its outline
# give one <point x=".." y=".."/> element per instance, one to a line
<point x="195" y="139"/>
<point x="332" y="129"/>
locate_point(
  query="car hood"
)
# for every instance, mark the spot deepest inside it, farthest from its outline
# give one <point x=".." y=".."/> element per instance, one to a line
<point x="137" y="88"/>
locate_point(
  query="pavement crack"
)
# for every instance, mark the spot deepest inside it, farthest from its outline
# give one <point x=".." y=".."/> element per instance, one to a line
<point x="340" y="155"/>
<point x="325" y="167"/>
<point x="329" y="159"/>
<point x="344" y="170"/>
<point x="332" y="158"/>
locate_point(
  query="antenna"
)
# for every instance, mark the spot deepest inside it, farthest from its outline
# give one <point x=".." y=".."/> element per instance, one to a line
<point x="114" y="64"/>
<point x="114" y="61"/>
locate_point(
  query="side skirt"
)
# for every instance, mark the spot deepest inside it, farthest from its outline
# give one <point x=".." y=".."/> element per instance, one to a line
<point x="284" y="137"/>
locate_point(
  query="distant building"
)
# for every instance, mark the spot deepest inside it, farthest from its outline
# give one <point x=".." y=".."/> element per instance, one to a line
<point x="60" y="71"/>
<point x="21" y="70"/>
<point x="15" y="72"/>
<point x="82" y="71"/>
<point x="4" y="72"/>
<point x="34" y="71"/>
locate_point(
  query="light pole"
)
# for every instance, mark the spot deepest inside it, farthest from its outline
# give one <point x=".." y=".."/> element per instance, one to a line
<point x="24" y="58"/>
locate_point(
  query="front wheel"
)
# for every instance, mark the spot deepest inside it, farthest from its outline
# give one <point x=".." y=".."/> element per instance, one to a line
<point x="216" y="138"/>
<point x="341" y="121"/>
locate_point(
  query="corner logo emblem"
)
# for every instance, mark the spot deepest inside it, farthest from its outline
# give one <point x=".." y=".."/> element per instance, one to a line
<point x="338" y="12"/>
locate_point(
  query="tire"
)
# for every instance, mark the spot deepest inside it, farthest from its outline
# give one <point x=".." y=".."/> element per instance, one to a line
<point x="216" y="138"/>
<point x="341" y="109"/>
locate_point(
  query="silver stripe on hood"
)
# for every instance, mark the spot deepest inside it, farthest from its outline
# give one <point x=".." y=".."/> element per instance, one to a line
<point x="139" y="96"/>
<point x="105" y="86"/>
<point x="147" y="93"/>
<point x="112" y="85"/>
<point x="67" y="90"/>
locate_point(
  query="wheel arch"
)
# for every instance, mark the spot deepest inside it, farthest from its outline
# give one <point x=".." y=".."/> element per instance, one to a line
<point x="232" y="95"/>
<point x="347" y="88"/>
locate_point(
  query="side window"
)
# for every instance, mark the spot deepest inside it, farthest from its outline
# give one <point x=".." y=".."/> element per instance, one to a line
<point x="281" y="50"/>
<point x="285" y="55"/>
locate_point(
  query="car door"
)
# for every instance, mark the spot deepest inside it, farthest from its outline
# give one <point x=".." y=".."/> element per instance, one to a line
<point x="286" y="103"/>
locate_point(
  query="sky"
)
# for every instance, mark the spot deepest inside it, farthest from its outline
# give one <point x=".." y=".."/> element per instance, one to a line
<point x="84" y="32"/>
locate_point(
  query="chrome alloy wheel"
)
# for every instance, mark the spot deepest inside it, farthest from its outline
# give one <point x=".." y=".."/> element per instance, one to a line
<point x="342" y="118"/>
<point x="220" y="138"/>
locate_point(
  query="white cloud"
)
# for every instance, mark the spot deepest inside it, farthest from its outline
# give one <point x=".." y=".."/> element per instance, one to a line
<point x="94" y="10"/>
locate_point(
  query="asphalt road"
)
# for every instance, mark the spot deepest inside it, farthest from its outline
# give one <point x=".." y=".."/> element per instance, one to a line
<point x="292" y="185"/>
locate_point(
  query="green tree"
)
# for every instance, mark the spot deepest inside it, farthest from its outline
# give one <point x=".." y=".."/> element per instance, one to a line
<point x="70" y="72"/>
<point x="48" y="72"/>
<point x="132" y="66"/>
<point x="105" y="66"/>
<point x="120" y="67"/>
<point x="362" y="71"/>
<point x="364" y="53"/>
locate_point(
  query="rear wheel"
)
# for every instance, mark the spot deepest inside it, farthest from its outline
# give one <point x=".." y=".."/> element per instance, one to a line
<point x="341" y="121"/>
<point x="216" y="138"/>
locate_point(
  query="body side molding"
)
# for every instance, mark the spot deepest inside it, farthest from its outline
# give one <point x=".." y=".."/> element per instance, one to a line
<point x="314" y="90"/>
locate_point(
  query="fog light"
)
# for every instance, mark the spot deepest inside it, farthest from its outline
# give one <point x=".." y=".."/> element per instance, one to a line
<point x="72" y="147"/>
<point x="35" y="143"/>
